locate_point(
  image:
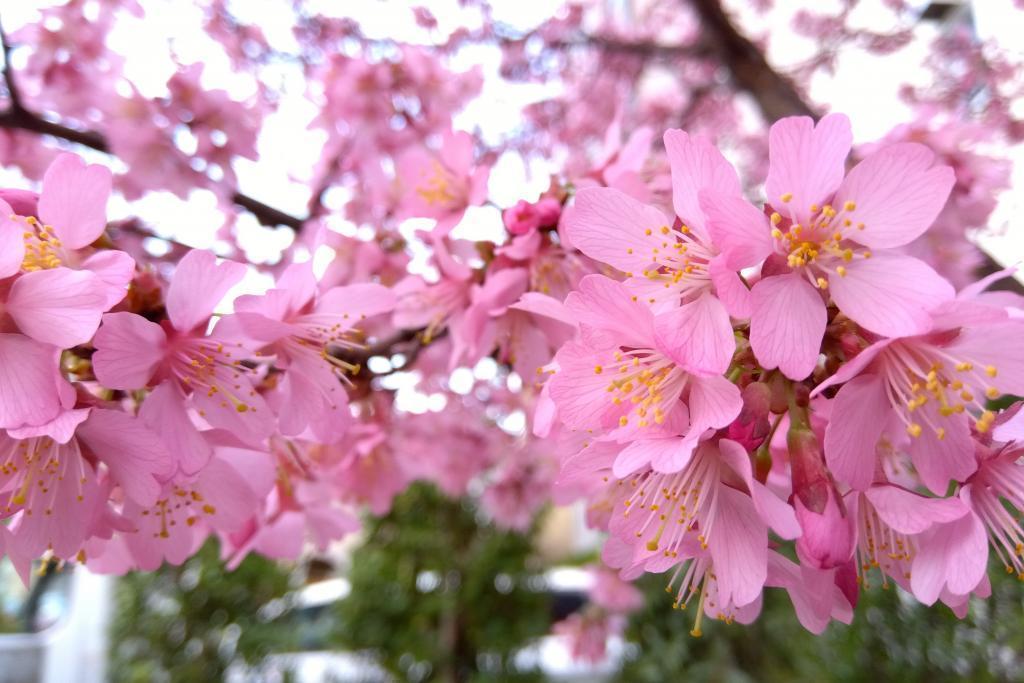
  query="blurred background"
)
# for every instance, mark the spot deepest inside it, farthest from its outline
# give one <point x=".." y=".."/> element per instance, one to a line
<point x="430" y="590"/>
<point x="433" y="589"/>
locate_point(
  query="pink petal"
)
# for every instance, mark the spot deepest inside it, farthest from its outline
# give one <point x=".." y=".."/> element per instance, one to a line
<point x="59" y="306"/>
<point x="229" y="490"/>
<point x="12" y="245"/>
<point x="164" y="412"/>
<point x="998" y="346"/>
<point x="853" y="367"/>
<point x="544" y="305"/>
<point x="299" y="282"/>
<point x="739" y="548"/>
<point x="806" y="161"/>
<point x="730" y="289"/>
<point x="898" y="194"/>
<point x="860" y="413"/>
<point x="74" y="200"/>
<point x="936" y="460"/>
<point x="258" y="328"/>
<point x="60" y="428"/>
<point x="128" y="350"/>
<point x="952" y="555"/>
<point x="60" y="519"/>
<point x="198" y="285"/>
<point x="115" y="269"/>
<point x="356" y="302"/>
<point x="910" y="513"/>
<point x="890" y="294"/>
<point x="714" y="402"/>
<point x="1013" y="428"/>
<point x="642" y="452"/>
<point x="251" y="422"/>
<point x="29" y="382"/>
<point x="774" y="511"/>
<point x="606" y="305"/>
<point x="580" y="393"/>
<point x="737" y="228"/>
<point x="787" y="325"/>
<point x="696" y="164"/>
<point x="136" y="456"/>
<point x="611" y="227"/>
<point x="698" y="336"/>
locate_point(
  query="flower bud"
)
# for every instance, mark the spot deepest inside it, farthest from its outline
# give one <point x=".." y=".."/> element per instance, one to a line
<point x="827" y="538"/>
<point x="752" y="426"/>
<point x="521" y="218"/>
<point x="548" y="212"/>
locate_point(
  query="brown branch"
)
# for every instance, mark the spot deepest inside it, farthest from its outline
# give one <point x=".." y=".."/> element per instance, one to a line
<point x="775" y="94"/>
<point x="18" y="117"/>
<point x="646" y="49"/>
<point x="22" y="119"/>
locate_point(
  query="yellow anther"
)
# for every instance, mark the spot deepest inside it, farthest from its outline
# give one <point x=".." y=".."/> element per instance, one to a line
<point x="776" y="233"/>
<point x="964" y="367"/>
<point x="787" y="197"/>
<point x="822" y="283"/>
<point x="990" y="370"/>
<point x="648" y="231"/>
<point x="841" y="271"/>
<point x="992" y="392"/>
<point x="598" y="369"/>
<point x="848" y="255"/>
<point x="914" y="429"/>
<point x="623" y="421"/>
<point x="849" y="206"/>
<point x="940" y="433"/>
<point x="664" y="230"/>
<point x="815" y="208"/>
<point x="776" y="218"/>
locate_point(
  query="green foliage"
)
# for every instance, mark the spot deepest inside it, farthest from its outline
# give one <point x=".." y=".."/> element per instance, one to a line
<point x="438" y="595"/>
<point x="190" y="623"/>
<point x="893" y="638"/>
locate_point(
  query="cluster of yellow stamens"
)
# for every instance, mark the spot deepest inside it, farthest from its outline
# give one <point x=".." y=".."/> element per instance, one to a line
<point x="205" y="366"/>
<point x="953" y="386"/>
<point x="42" y="246"/>
<point x="436" y="188"/>
<point x="182" y="502"/>
<point x="678" y="259"/>
<point x="42" y="465"/>
<point x="644" y="381"/>
<point x="880" y="547"/>
<point x="822" y="242"/>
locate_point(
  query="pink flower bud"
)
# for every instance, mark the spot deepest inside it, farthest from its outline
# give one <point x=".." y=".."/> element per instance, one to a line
<point x="548" y="211"/>
<point x="827" y="538"/>
<point x="751" y="426"/>
<point x="521" y="218"/>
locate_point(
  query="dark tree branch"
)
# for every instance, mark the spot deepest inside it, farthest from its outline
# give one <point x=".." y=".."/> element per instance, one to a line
<point x="22" y="119"/>
<point x="774" y="93"/>
<point x="645" y="49"/>
<point x="18" y="117"/>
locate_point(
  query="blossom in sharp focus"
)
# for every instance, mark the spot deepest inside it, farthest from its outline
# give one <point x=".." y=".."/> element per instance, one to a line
<point x="830" y="236"/>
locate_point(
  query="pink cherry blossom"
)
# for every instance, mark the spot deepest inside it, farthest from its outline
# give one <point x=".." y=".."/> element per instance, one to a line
<point x="442" y="185"/>
<point x="833" y="236"/>
<point x="301" y="329"/>
<point x="188" y="370"/>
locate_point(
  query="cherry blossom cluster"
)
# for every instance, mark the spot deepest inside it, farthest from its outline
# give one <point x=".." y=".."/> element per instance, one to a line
<point x="777" y="395"/>
<point x="140" y="416"/>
